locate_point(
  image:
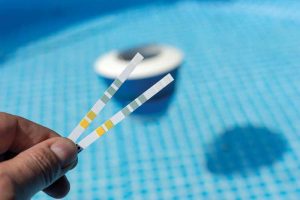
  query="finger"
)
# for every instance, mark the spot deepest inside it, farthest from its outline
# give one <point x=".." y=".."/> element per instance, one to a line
<point x="18" y="134"/>
<point x="40" y="166"/>
<point x="59" y="188"/>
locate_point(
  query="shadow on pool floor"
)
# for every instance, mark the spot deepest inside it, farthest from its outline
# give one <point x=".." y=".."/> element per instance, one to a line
<point x="245" y="149"/>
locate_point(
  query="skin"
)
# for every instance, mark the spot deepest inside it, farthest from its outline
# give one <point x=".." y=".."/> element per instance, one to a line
<point x="33" y="158"/>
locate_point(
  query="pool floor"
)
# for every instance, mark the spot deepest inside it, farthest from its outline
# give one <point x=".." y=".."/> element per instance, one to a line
<point x="232" y="129"/>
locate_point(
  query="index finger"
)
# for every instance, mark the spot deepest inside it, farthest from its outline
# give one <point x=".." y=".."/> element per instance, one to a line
<point x="18" y="134"/>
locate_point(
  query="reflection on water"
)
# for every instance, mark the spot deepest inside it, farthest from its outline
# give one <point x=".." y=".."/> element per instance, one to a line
<point x="43" y="18"/>
<point x="244" y="149"/>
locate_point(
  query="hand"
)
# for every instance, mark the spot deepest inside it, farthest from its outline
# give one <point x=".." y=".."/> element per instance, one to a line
<point x="33" y="158"/>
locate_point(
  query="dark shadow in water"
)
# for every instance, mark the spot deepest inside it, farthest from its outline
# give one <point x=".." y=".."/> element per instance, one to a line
<point x="244" y="149"/>
<point x="22" y="22"/>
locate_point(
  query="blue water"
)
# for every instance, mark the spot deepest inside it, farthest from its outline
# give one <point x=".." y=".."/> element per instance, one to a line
<point x="232" y="129"/>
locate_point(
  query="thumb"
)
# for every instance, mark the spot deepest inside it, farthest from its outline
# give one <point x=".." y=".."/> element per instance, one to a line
<point x="41" y="165"/>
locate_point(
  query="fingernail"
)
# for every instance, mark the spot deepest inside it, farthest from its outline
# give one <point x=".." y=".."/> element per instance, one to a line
<point x="65" y="151"/>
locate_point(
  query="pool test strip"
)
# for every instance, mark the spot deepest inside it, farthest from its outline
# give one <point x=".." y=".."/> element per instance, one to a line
<point x="100" y="104"/>
<point x="122" y="114"/>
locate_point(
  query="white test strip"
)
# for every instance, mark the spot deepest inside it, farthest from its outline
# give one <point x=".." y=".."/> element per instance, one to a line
<point x="127" y="110"/>
<point x="108" y="94"/>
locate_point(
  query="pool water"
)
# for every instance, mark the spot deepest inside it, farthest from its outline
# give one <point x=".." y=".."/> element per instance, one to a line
<point x="232" y="128"/>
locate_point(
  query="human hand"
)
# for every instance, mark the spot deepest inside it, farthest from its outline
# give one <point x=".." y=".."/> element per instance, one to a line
<point x="33" y="158"/>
